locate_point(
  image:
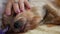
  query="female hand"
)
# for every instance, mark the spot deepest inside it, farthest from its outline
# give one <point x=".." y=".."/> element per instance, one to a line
<point x="18" y="6"/>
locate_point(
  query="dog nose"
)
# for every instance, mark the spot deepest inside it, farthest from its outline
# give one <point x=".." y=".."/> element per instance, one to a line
<point x="18" y="24"/>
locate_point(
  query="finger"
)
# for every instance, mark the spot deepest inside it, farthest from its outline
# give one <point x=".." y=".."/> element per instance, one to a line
<point x="21" y="5"/>
<point x="27" y="4"/>
<point x="16" y="7"/>
<point x="8" y="8"/>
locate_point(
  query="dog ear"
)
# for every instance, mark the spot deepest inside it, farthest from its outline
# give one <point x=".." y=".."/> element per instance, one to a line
<point x="6" y="20"/>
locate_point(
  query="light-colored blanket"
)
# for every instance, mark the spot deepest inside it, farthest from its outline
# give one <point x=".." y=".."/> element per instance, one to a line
<point x="43" y="29"/>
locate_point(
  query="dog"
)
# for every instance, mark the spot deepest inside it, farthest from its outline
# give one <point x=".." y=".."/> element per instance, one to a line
<point x="52" y="9"/>
<point x="22" y="22"/>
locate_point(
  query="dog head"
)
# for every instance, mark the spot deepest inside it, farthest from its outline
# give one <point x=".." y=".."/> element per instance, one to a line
<point x="22" y="22"/>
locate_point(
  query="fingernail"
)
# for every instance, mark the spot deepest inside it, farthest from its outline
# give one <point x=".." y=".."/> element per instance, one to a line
<point x="21" y="10"/>
<point x="18" y="11"/>
<point x="29" y="7"/>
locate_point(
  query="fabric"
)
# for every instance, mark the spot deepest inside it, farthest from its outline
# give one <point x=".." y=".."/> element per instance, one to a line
<point x="2" y="31"/>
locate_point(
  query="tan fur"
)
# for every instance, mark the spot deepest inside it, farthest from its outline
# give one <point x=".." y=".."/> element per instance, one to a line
<point x="53" y="13"/>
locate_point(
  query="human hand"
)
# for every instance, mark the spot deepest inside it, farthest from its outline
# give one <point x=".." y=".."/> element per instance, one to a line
<point x="18" y="6"/>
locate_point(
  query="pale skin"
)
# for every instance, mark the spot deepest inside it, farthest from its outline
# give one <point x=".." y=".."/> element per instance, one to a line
<point x="18" y="7"/>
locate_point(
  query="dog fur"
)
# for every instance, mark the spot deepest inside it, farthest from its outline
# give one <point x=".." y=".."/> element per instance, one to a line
<point x="52" y="12"/>
<point x="32" y="17"/>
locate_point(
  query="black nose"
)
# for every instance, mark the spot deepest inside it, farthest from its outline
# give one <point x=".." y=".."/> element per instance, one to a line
<point x="18" y="24"/>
